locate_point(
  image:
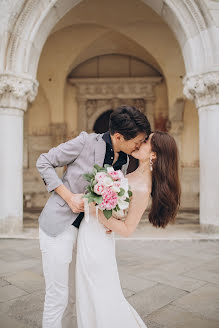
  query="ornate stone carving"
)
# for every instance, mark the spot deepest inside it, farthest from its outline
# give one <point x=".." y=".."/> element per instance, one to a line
<point x="203" y="88"/>
<point x="116" y="87"/>
<point x="17" y="91"/>
<point x="96" y="95"/>
<point x="94" y="108"/>
<point x="91" y="106"/>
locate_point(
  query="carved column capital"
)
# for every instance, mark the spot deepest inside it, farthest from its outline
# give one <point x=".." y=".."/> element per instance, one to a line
<point x="203" y="88"/>
<point x="16" y="91"/>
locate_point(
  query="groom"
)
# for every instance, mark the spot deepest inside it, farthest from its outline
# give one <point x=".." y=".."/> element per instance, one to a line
<point x="60" y="218"/>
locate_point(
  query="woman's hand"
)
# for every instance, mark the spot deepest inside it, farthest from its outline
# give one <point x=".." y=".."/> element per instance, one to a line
<point x="102" y="220"/>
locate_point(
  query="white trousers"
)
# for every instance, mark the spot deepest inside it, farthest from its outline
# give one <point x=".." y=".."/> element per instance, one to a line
<point x="58" y="259"/>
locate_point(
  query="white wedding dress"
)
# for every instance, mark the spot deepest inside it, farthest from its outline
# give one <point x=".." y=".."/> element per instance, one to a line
<point x="100" y="302"/>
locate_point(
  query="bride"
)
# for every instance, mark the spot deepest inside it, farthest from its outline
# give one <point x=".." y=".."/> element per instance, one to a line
<point x="100" y="302"/>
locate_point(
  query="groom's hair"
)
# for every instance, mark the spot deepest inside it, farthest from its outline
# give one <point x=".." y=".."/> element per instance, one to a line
<point x="129" y="122"/>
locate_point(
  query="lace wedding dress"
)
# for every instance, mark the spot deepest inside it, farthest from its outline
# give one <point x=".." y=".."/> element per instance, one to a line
<point x="100" y="302"/>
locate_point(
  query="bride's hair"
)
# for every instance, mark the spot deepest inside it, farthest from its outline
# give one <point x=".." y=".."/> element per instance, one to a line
<point x="166" y="189"/>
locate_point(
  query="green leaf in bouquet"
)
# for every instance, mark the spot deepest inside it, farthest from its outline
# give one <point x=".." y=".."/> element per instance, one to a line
<point x="88" y="176"/>
<point x="116" y="209"/>
<point x="98" y="199"/>
<point x="127" y="200"/>
<point x="122" y="192"/>
<point x="89" y="188"/>
<point x="94" y="171"/>
<point x="93" y="182"/>
<point x="86" y="196"/>
<point x="107" y="165"/>
<point x="93" y="194"/>
<point x="130" y="193"/>
<point x="107" y="214"/>
<point x="98" y="168"/>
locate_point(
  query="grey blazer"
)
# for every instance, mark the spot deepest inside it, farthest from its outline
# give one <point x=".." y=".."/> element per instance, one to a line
<point x="79" y="154"/>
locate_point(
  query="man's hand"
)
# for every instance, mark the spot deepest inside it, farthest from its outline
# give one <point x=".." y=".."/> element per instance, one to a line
<point x="76" y="203"/>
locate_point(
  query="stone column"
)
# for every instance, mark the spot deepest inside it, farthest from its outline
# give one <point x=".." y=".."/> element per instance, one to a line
<point x="15" y="92"/>
<point x="204" y="89"/>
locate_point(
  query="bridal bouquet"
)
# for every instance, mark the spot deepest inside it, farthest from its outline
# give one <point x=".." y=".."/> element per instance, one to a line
<point x="108" y="189"/>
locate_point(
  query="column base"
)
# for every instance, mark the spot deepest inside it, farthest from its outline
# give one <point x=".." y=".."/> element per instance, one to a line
<point x="11" y="225"/>
<point x="209" y="228"/>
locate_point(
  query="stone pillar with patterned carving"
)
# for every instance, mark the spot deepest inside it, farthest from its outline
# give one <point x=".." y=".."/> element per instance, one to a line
<point x="204" y="90"/>
<point x="15" y="93"/>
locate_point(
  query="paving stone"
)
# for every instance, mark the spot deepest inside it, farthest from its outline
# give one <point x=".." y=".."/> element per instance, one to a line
<point x="38" y="269"/>
<point x="26" y="309"/>
<point x="204" y="301"/>
<point x="26" y="280"/>
<point x="139" y="269"/>
<point x="7" y="322"/>
<point x="3" y="283"/>
<point x="127" y="292"/>
<point x="174" y="317"/>
<point x="178" y="281"/>
<point x="33" y="251"/>
<point x="16" y="244"/>
<point x="9" y="292"/>
<point x="11" y="255"/>
<point x="7" y="268"/>
<point x="152" y="324"/>
<point x="208" y="272"/>
<point x="136" y="284"/>
<point x="71" y="323"/>
<point x="154" y="298"/>
<point x="172" y="263"/>
<point x="181" y="265"/>
<point x="194" y="253"/>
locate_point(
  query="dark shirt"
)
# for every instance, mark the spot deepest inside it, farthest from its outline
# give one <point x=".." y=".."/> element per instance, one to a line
<point x="109" y="157"/>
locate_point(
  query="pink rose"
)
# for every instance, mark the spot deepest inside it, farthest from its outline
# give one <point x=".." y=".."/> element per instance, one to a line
<point x="116" y="175"/>
<point x="100" y="176"/>
<point x="98" y="188"/>
<point x="110" y="199"/>
<point x="102" y="206"/>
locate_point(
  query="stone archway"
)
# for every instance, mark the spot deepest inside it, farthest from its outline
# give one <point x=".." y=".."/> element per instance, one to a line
<point x="33" y="23"/>
<point x="29" y="24"/>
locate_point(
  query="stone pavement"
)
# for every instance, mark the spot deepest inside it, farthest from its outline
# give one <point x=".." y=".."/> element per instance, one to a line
<point x="172" y="283"/>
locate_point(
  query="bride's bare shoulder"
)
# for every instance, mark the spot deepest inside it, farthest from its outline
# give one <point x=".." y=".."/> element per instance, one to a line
<point x="137" y="185"/>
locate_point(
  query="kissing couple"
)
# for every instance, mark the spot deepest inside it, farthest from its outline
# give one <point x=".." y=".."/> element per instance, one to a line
<point x="78" y="254"/>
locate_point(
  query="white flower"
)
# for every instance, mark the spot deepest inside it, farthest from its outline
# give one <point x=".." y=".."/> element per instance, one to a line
<point x="107" y="182"/>
<point x="118" y="214"/>
<point x="126" y="195"/>
<point x="100" y="176"/>
<point x="124" y="184"/>
<point x="115" y="188"/>
<point x="110" y="169"/>
<point x="123" y="205"/>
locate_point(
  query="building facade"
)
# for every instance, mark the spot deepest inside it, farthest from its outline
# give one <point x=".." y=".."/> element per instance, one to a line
<point x="65" y="63"/>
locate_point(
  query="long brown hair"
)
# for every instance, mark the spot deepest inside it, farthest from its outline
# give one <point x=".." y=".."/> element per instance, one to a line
<point x="166" y="189"/>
